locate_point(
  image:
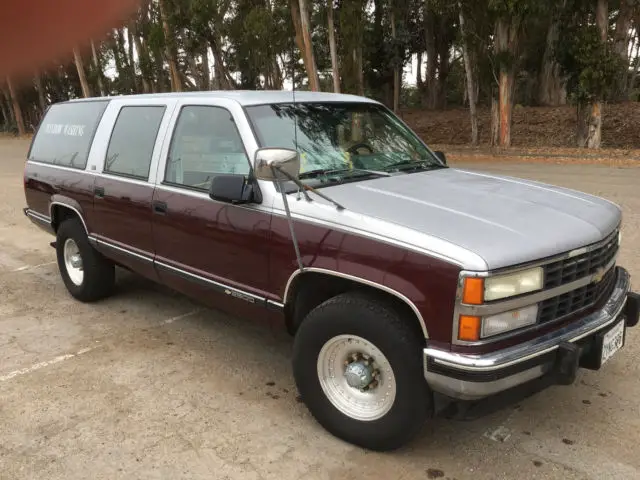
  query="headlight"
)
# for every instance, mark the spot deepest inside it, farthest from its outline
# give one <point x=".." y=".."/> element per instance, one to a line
<point x="509" y="285"/>
<point x="472" y="328"/>
<point x="503" y="322"/>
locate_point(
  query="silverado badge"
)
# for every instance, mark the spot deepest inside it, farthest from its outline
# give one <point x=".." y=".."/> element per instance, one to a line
<point x="597" y="275"/>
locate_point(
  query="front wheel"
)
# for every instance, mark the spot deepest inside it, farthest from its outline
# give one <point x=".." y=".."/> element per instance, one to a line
<point x="358" y="367"/>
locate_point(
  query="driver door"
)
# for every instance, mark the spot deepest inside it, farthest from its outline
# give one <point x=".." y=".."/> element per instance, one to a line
<point x="204" y="247"/>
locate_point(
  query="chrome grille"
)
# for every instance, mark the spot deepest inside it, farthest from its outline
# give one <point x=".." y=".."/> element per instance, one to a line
<point x="558" y="307"/>
<point x="567" y="270"/>
<point x="579" y="266"/>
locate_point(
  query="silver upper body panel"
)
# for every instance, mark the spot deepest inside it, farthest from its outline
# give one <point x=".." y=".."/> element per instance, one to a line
<point x="476" y="221"/>
<point x="480" y="221"/>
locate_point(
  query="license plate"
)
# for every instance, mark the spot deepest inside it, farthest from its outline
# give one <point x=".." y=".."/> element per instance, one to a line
<point x="612" y="341"/>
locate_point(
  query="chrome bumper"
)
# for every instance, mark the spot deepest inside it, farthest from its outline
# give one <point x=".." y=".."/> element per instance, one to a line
<point x="471" y="377"/>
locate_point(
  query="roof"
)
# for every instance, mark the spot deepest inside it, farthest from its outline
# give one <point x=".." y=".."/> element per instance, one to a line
<point x="249" y="97"/>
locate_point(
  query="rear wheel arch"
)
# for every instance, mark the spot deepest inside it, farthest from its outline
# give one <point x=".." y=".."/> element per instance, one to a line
<point x="60" y="212"/>
<point x="309" y="288"/>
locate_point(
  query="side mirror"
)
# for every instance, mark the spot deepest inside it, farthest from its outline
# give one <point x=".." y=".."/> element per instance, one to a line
<point x="270" y="163"/>
<point x="441" y="156"/>
<point x="231" y="189"/>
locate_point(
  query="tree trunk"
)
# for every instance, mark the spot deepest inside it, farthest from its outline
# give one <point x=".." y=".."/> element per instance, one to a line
<point x="17" y="110"/>
<point x="332" y="48"/>
<point x="41" y="101"/>
<point x="86" y="91"/>
<point x="429" y="92"/>
<point x="621" y="47"/>
<point x="98" y="68"/>
<point x="312" y="71"/>
<point x="131" y="60"/>
<point x="506" y="44"/>
<point x="205" y="69"/>
<point x="396" y="72"/>
<point x="551" y="89"/>
<point x="495" y="121"/>
<point x="145" y="63"/>
<point x="590" y="117"/>
<point x="222" y="75"/>
<point x="176" y="83"/>
<point x="359" y="70"/>
<point x="471" y="83"/>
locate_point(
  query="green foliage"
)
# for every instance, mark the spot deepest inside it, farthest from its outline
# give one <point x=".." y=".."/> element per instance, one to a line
<point x="590" y="65"/>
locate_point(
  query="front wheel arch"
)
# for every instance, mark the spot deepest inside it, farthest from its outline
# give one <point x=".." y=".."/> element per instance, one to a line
<point x="308" y="289"/>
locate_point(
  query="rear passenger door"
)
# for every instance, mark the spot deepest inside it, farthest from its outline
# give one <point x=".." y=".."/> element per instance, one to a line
<point x="122" y="190"/>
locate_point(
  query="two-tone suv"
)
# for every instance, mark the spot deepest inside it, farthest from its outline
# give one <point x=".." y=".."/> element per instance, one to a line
<point x="405" y="282"/>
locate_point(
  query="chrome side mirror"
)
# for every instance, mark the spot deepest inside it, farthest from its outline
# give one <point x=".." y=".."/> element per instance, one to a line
<point x="276" y="164"/>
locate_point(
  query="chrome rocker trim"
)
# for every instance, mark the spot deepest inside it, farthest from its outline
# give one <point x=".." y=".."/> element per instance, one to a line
<point x="452" y="373"/>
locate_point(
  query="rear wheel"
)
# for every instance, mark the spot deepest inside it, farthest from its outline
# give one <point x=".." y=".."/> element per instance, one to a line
<point x="358" y="367"/>
<point x="86" y="273"/>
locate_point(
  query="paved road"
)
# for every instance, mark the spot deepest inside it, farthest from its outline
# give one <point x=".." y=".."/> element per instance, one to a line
<point x="149" y="385"/>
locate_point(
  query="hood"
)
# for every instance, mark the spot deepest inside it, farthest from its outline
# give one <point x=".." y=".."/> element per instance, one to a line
<point x="505" y="221"/>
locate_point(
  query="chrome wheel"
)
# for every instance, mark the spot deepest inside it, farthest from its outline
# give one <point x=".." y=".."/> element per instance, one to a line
<point x="73" y="261"/>
<point x="356" y="377"/>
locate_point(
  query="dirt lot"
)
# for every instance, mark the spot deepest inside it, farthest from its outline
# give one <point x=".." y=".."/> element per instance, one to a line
<point x="149" y="385"/>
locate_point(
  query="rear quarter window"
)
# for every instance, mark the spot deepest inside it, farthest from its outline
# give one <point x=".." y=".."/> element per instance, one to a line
<point x="65" y="134"/>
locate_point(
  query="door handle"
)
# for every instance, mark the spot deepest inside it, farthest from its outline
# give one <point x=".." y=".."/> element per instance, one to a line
<point x="160" y="208"/>
<point x="98" y="192"/>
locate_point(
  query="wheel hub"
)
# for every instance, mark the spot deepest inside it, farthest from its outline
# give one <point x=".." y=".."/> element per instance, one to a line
<point x="359" y="374"/>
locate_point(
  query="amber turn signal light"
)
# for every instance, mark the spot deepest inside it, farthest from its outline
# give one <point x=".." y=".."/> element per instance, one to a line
<point x="473" y="291"/>
<point x="469" y="328"/>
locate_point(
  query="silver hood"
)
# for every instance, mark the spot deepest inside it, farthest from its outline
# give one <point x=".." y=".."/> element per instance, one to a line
<point x="504" y="221"/>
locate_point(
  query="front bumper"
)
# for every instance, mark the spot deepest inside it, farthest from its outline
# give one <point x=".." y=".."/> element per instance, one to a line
<point x="559" y="353"/>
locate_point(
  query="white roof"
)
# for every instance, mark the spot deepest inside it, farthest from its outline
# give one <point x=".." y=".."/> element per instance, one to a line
<point x="250" y="97"/>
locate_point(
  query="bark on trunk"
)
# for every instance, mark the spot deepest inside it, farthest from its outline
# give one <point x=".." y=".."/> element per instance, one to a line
<point x="40" y="89"/>
<point x="222" y="75"/>
<point x="176" y="83"/>
<point x="6" y="118"/>
<point x="551" y="89"/>
<point x="471" y="83"/>
<point x="621" y="47"/>
<point x="359" y="70"/>
<point x="98" y="68"/>
<point x="590" y="117"/>
<point x="312" y="72"/>
<point x="17" y="110"/>
<point x="145" y="64"/>
<point x="506" y="44"/>
<point x="429" y="93"/>
<point x="131" y="61"/>
<point x="495" y="121"/>
<point x="396" y="70"/>
<point x="86" y="91"/>
<point x="332" y="48"/>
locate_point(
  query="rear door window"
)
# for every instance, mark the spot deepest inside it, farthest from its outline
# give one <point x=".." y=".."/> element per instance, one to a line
<point x="132" y="141"/>
<point x="66" y="132"/>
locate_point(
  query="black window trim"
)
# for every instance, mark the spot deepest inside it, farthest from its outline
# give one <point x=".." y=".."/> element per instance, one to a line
<point x="106" y="153"/>
<point x="250" y="175"/>
<point x="93" y="135"/>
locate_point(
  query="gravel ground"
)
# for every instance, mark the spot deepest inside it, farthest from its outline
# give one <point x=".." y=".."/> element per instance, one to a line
<point x="150" y="385"/>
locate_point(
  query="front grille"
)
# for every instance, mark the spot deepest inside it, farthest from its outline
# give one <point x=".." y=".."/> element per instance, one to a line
<point x="567" y="270"/>
<point x="575" y="300"/>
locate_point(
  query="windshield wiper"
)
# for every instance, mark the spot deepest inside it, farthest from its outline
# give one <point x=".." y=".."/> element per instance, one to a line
<point x="326" y="171"/>
<point x="414" y="163"/>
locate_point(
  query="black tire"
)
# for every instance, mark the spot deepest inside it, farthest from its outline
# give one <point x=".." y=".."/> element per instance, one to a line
<point x="99" y="273"/>
<point x="379" y="323"/>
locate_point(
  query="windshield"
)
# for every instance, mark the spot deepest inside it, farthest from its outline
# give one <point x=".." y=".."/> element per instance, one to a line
<point x="340" y="138"/>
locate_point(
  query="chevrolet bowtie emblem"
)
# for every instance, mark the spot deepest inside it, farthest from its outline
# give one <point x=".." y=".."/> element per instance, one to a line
<point x="597" y="276"/>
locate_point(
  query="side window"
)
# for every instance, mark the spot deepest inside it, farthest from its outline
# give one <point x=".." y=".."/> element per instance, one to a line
<point x="132" y="141"/>
<point x="205" y="143"/>
<point x="65" y="134"/>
